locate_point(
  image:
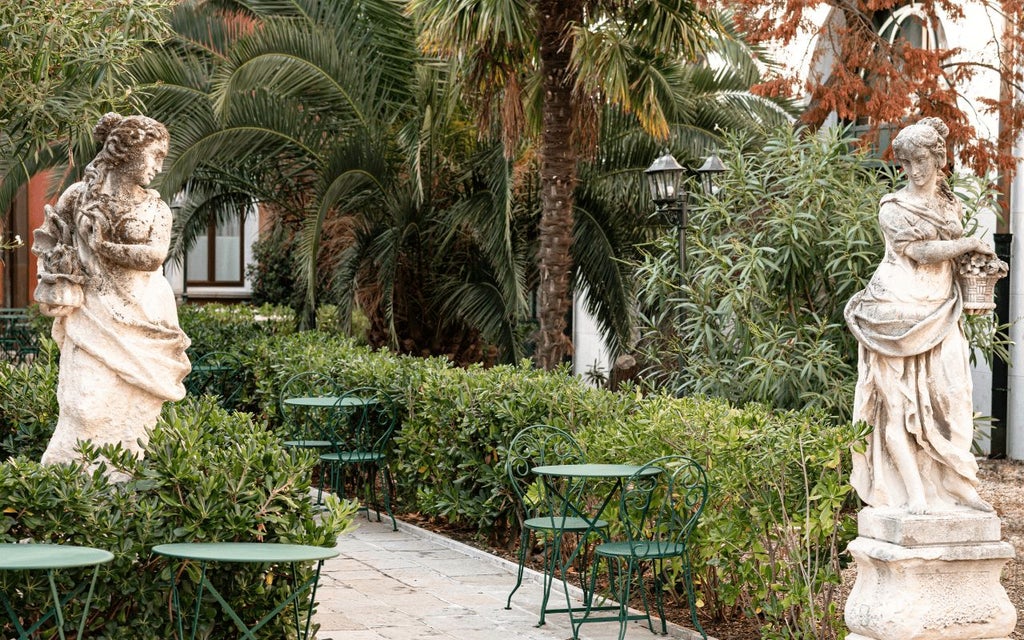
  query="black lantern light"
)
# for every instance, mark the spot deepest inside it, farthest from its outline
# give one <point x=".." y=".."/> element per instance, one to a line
<point x="667" y="181"/>
<point x="707" y="172"/>
<point x="665" y="177"/>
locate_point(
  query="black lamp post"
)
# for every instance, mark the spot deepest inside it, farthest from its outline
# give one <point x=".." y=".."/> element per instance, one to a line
<point x="667" y="180"/>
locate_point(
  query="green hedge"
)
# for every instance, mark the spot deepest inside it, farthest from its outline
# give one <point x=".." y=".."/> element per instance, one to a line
<point x="28" y="403"/>
<point x="769" y="546"/>
<point x="781" y="509"/>
<point x="207" y="476"/>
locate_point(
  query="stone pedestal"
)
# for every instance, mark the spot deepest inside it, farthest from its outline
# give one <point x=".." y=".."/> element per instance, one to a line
<point x="929" y="577"/>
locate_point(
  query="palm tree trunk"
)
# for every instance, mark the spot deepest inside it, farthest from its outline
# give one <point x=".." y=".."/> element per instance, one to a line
<point x="558" y="179"/>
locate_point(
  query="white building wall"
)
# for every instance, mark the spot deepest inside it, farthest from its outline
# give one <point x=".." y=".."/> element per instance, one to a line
<point x="590" y="351"/>
<point x="1015" y="378"/>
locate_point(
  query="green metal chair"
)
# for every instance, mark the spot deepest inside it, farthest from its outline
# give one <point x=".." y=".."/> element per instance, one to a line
<point x="659" y="513"/>
<point x="19" y="341"/>
<point x="363" y="423"/>
<point x="304" y="427"/>
<point x="535" y="446"/>
<point x="217" y="373"/>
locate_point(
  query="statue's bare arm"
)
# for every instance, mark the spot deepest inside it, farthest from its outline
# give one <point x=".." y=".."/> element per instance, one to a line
<point x="932" y="251"/>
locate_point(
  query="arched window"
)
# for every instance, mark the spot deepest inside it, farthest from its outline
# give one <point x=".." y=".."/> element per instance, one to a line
<point x="908" y="23"/>
<point x="911" y="24"/>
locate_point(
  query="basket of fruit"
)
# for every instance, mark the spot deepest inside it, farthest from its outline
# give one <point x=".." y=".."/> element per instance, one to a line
<point x="978" y="274"/>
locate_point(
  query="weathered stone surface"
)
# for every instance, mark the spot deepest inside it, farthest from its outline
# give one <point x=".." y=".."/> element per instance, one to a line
<point x="957" y="526"/>
<point x="913" y="376"/>
<point x="928" y="553"/>
<point x="101" y="249"/>
<point x="932" y="592"/>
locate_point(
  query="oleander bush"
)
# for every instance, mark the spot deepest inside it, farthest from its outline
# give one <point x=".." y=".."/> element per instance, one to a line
<point x="207" y="476"/>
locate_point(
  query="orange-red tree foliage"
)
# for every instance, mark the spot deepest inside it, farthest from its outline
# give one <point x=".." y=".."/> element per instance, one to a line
<point x="883" y="83"/>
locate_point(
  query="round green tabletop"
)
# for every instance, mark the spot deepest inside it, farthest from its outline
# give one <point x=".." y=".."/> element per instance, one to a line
<point x="261" y="552"/>
<point x="592" y="470"/>
<point x="329" y="401"/>
<point x="17" y="557"/>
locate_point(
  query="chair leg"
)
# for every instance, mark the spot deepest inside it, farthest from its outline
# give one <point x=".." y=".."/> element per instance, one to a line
<point x="691" y="597"/>
<point x="389" y="486"/>
<point x="624" y="597"/>
<point x="658" y="570"/>
<point x="524" y="539"/>
<point x="552" y="557"/>
<point x="591" y="589"/>
<point x="370" y="489"/>
<point x="640" y="567"/>
<point x="320" y="484"/>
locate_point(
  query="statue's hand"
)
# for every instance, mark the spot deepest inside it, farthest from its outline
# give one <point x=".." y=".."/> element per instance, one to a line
<point x="55" y="310"/>
<point x="97" y="234"/>
<point x="980" y="246"/>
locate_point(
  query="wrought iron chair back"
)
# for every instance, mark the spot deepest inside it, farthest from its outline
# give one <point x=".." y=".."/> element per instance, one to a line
<point x="364" y="420"/>
<point x="659" y="513"/>
<point x="304" y="427"/>
<point x="540" y="513"/>
<point x="363" y="424"/>
<point x="19" y="340"/>
<point x="535" y="446"/>
<point x="217" y="373"/>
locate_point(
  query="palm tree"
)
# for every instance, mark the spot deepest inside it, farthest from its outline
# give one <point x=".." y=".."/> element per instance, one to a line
<point x="321" y="113"/>
<point x="428" y="227"/>
<point x="576" y="55"/>
<point x="713" y="96"/>
<point x="278" y="103"/>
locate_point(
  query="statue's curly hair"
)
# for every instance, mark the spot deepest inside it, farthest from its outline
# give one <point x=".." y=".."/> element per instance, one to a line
<point x="122" y="135"/>
<point x="123" y="138"/>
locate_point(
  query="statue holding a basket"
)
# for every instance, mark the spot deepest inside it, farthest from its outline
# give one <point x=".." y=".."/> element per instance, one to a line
<point x="914" y="381"/>
<point x="101" y="250"/>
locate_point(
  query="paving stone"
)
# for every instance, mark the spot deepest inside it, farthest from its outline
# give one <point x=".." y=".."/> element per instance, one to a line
<point x="412" y="584"/>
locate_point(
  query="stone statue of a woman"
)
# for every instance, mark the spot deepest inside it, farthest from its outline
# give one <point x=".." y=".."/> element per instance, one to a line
<point x="914" y="380"/>
<point x="101" y="249"/>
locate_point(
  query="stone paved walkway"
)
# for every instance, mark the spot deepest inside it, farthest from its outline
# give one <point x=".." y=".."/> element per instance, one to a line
<point x="415" y="585"/>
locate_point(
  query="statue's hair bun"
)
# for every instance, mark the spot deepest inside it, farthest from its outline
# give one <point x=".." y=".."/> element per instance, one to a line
<point x="936" y="123"/>
<point x="106" y="124"/>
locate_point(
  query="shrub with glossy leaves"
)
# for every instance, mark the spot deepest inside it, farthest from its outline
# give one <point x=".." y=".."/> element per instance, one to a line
<point x="208" y="476"/>
<point x="28" y="403"/>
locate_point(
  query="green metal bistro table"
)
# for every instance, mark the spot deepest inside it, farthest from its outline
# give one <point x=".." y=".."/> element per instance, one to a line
<point x="561" y="505"/>
<point x="329" y="401"/>
<point x="49" y="558"/>
<point x="324" y="402"/>
<point x="248" y="553"/>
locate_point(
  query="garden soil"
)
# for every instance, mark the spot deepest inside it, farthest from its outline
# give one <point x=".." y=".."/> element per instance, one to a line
<point x="1001" y="483"/>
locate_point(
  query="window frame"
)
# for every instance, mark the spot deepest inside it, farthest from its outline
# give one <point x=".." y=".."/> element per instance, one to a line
<point x="211" y="258"/>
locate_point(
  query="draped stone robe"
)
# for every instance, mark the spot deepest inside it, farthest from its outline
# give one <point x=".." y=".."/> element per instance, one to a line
<point x="913" y="378"/>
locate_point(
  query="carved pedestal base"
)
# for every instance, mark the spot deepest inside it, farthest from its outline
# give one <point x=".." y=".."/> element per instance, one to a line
<point x="929" y="577"/>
